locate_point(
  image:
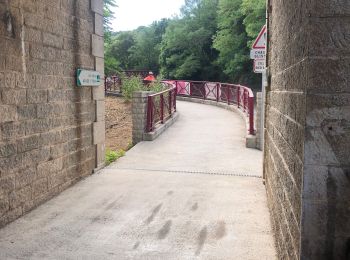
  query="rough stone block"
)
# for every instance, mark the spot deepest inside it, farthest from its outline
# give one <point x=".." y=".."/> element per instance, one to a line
<point x="13" y="97"/>
<point x="99" y="65"/>
<point x="40" y="187"/>
<point x="100" y="111"/>
<point x="100" y="155"/>
<point x="24" y="176"/>
<point x="99" y="132"/>
<point x="97" y="46"/>
<point x="18" y="197"/>
<point x="7" y="149"/>
<point x="28" y="143"/>
<point x="98" y="93"/>
<point x="8" y="113"/>
<point x="97" y="6"/>
<point x="35" y="96"/>
<point x="99" y="24"/>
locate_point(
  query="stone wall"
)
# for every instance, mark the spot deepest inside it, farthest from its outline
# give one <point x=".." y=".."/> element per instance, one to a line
<point x="139" y="115"/>
<point x="51" y="131"/>
<point x="307" y="137"/>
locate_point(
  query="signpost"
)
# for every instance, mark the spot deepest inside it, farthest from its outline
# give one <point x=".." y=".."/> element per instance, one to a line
<point x="88" y="78"/>
<point x="260" y="41"/>
<point x="259" y="65"/>
<point x="258" y="54"/>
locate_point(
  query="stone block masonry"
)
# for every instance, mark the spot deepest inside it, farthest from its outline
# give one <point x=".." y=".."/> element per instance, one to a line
<point x="307" y="137"/>
<point x="51" y="131"/>
<point x="139" y="115"/>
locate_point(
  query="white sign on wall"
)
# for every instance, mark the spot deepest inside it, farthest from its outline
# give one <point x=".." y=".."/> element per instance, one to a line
<point x="260" y="41"/>
<point x="88" y="78"/>
<point x="259" y="65"/>
<point x="257" y="54"/>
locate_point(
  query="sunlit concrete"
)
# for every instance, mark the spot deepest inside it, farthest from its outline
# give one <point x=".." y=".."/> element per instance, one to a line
<point x="164" y="200"/>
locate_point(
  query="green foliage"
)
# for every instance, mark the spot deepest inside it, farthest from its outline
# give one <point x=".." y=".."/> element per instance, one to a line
<point x="209" y="40"/>
<point x="156" y="86"/>
<point x="130" y="85"/>
<point x="108" y="15"/>
<point x="254" y="12"/>
<point x="112" y="66"/>
<point x="119" y="48"/>
<point x="186" y="51"/>
<point x="231" y="40"/>
<point x="239" y="23"/>
<point x="138" y="49"/>
<point x="112" y="156"/>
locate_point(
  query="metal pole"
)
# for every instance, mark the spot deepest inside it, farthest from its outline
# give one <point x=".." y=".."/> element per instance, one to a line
<point x="169" y="100"/>
<point x="162" y="108"/>
<point x="217" y="92"/>
<point x="251" y="115"/>
<point x="228" y="94"/>
<point x="149" y="115"/>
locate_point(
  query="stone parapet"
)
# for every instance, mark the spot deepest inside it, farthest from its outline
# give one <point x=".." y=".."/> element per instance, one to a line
<point x="139" y="115"/>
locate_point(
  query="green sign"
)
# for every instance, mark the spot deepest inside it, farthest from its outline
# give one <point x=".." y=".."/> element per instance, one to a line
<point x="89" y="78"/>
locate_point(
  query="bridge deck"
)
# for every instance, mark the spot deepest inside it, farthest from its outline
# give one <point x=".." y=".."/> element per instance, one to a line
<point x="194" y="193"/>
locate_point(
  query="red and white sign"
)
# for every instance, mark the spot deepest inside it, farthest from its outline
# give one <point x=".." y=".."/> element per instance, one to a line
<point x="259" y="65"/>
<point x="257" y="54"/>
<point x="260" y="41"/>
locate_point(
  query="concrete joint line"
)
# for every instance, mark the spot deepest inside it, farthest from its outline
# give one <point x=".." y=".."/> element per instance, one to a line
<point x="232" y="174"/>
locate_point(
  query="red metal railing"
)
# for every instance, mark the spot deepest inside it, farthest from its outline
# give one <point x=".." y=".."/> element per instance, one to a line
<point x="112" y="84"/>
<point x="231" y="94"/>
<point x="160" y="107"/>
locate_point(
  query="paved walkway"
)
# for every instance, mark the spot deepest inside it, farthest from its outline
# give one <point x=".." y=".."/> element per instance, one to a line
<point x="179" y="197"/>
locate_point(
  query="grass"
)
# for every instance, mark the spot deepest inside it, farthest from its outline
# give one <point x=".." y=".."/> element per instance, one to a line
<point x="112" y="156"/>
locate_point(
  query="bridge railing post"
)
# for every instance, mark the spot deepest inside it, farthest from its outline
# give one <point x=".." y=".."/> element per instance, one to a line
<point x="238" y="96"/>
<point x="162" y="108"/>
<point x="149" y="114"/>
<point x="170" y="102"/>
<point x="217" y="92"/>
<point x="251" y="115"/>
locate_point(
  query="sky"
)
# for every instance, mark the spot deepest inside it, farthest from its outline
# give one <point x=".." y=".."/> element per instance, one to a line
<point x="131" y="14"/>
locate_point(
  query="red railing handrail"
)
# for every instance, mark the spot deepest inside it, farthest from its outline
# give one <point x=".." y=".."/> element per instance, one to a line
<point x="244" y="96"/>
<point x="152" y="108"/>
<point x="164" y="91"/>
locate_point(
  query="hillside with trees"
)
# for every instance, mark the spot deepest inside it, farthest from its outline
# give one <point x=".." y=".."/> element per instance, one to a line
<point x="209" y="40"/>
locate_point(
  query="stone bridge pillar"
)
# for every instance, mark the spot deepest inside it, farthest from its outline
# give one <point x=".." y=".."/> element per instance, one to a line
<point x="51" y="130"/>
<point x="307" y="136"/>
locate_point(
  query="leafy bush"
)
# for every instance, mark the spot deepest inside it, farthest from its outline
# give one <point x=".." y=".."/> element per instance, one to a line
<point x="131" y="84"/>
<point x="156" y="86"/>
<point x="112" y="156"/>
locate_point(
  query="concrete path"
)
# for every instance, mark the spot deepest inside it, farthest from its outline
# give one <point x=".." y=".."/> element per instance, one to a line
<point x="182" y="196"/>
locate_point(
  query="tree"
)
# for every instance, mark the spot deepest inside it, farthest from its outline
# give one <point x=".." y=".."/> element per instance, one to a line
<point x="108" y="16"/>
<point x="255" y="13"/>
<point x="231" y="40"/>
<point x="186" y="49"/>
<point x="144" y="54"/>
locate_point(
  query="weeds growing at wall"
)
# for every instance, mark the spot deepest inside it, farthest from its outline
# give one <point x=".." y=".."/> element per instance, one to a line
<point x="112" y="156"/>
<point x="130" y="85"/>
<point x="134" y="83"/>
